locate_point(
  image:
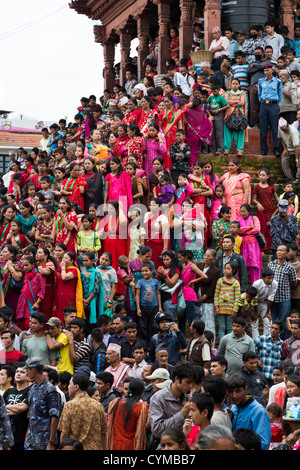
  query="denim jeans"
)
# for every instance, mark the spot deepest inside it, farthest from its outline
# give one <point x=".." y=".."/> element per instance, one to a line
<point x="208" y="317"/>
<point x="188" y="316"/>
<point x="225" y="324"/>
<point x="168" y="307"/>
<point x="280" y="311"/>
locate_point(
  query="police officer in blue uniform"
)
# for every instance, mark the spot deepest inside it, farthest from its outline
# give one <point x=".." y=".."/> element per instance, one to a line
<point x="269" y="95"/>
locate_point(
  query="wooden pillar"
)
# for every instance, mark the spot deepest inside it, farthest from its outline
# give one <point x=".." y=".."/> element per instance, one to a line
<point x="109" y="58"/>
<point x="108" y="55"/>
<point x="185" y="29"/>
<point x="143" y="37"/>
<point x="212" y="18"/>
<point x="125" y="45"/>
<point x="163" y="8"/>
<point x="287" y="16"/>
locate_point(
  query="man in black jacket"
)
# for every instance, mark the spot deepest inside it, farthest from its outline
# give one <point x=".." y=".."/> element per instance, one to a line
<point x="256" y="380"/>
<point x="228" y="255"/>
<point x="255" y="73"/>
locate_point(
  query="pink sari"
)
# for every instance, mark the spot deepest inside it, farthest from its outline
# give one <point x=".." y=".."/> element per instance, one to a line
<point x="230" y="183"/>
<point x="120" y="186"/>
<point x="198" y="129"/>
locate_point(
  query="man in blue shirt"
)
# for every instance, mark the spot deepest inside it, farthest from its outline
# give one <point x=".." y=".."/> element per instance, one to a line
<point x="269" y="95"/>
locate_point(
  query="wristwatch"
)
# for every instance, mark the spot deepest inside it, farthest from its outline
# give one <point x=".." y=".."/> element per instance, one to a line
<point x="52" y="443"/>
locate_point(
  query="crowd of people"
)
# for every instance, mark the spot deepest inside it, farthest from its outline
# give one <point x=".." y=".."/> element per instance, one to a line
<point x="136" y="309"/>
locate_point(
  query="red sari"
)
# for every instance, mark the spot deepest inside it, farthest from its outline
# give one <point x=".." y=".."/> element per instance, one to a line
<point x="168" y="121"/>
<point x="46" y="305"/>
<point x="68" y="294"/>
<point x="155" y="239"/>
<point x="120" y="149"/>
<point x="201" y="200"/>
<point x="73" y="185"/>
<point x="140" y="117"/>
<point x="4" y="231"/>
<point x="136" y="146"/>
<point x="63" y="235"/>
<point x="117" y="244"/>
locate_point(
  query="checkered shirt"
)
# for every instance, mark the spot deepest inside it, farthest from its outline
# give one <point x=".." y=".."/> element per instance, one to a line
<point x="284" y="274"/>
<point x="269" y="353"/>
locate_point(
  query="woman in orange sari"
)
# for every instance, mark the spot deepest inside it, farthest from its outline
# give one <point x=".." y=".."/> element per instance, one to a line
<point x="127" y="420"/>
<point x="237" y="188"/>
<point x="170" y="119"/>
<point x="75" y="186"/>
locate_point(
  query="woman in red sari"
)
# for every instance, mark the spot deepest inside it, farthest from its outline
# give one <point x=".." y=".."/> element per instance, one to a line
<point x="120" y="150"/>
<point x="170" y="119"/>
<point x="202" y="193"/>
<point x="113" y="234"/>
<point x="47" y="267"/>
<point x="198" y="128"/>
<point x="132" y="106"/>
<point x="157" y="231"/>
<point x="65" y="225"/>
<point x="8" y="213"/>
<point x="135" y="144"/>
<point x="143" y="114"/>
<point x="14" y="187"/>
<point x="32" y="293"/>
<point x="69" y="292"/>
<point x="75" y="186"/>
<point x="174" y="43"/>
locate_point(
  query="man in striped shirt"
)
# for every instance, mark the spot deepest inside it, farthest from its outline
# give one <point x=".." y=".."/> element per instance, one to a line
<point x="269" y="350"/>
<point x="239" y="71"/>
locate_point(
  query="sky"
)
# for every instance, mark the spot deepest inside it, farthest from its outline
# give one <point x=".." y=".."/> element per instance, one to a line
<point x="49" y="59"/>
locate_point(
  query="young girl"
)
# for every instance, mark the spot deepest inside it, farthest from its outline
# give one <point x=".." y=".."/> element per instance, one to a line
<point x="174" y="43"/>
<point x="208" y="171"/>
<point x="275" y="412"/>
<point x="29" y="192"/>
<point x="125" y="275"/>
<point x="17" y="238"/>
<point x="44" y="225"/>
<point x="158" y="165"/>
<point x="87" y="239"/>
<point x="183" y="192"/>
<point x="202" y="194"/>
<point x="218" y="201"/>
<point x="226" y="299"/>
<point x="109" y="279"/>
<point x="264" y="194"/>
<point x="137" y="233"/>
<point x="92" y="287"/>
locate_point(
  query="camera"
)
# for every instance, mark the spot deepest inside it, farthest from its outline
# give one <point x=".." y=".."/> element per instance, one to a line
<point x="168" y="325"/>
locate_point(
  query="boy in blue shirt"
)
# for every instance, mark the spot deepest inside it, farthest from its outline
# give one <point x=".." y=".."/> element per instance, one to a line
<point x="148" y="301"/>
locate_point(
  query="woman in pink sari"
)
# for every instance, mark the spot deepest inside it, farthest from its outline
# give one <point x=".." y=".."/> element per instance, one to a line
<point x="237" y="188"/>
<point x="250" y="251"/>
<point x="118" y="184"/>
<point x="198" y="128"/>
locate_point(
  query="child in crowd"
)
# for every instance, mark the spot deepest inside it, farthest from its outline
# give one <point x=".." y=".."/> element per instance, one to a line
<point x="87" y="239"/>
<point x="148" y="301"/>
<point x="266" y="288"/>
<point x="218" y="201"/>
<point x="234" y="231"/>
<point x="288" y="187"/>
<point x="226" y="299"/>
<point x="275" y="412"/>
<point x="137" y="232"/>
<point x="248" y="306"/>
<point x="180" y="153"/>
<point x="46" y="189"/>
<point x="218" y="105"/>
<point x="168" y="192"/>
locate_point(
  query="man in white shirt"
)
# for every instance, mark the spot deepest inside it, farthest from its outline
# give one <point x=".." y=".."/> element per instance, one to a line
<point x="273" y="39"/>
<point x="139" y="354"/>
<point x="179" y="80"/>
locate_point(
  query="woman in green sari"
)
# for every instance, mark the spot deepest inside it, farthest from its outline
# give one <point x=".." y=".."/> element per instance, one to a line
<point x="93" y="291"/>
<point x="221" y="227"/>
